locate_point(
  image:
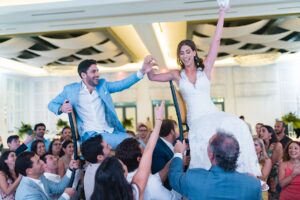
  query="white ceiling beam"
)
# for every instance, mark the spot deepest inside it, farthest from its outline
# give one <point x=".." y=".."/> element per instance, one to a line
<point x="75" y="15"/>
<point x="150" y="40"/>
<point x="131" y="39"/>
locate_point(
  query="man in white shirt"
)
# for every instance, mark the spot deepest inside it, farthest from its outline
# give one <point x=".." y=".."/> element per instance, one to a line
<point x="34" y="185"/>
<point x="129" y="151"/>
<point x="92" y="103"/>
<point x="94" y="150"/>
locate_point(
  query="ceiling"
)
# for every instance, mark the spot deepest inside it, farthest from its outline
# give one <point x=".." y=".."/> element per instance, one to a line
<point x="55" y="35"/>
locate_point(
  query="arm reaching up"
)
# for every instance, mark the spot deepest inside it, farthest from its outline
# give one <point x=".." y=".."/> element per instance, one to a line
<point x="161" y="77"/>
<point x="143" y="171"/>
<point x="214" y="47"/>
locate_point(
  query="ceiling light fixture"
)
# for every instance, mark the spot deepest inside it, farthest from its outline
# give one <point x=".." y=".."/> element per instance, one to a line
<point x="257" y="59"/>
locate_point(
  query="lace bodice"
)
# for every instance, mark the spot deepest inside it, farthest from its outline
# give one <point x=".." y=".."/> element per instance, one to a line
<point x="196" y="96"/>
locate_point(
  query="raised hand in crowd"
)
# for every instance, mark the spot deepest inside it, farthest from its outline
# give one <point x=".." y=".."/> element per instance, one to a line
<point x="74" y="164"/>
<point x="28" y="139"/>
<point x="144" y="169"/>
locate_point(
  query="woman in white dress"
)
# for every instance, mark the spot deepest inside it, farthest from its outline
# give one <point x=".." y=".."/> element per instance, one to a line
<point x="203" y="117"/>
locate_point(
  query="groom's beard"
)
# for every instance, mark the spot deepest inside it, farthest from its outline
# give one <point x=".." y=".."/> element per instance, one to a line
<point x="93" y="82"/>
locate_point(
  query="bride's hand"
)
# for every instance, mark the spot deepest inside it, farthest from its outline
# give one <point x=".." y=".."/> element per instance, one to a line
<point x="223" y="5"/>
<point x="149" y="62"/>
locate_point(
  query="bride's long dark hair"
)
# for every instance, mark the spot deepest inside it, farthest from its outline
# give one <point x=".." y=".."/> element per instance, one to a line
<point x="198" y="61"/>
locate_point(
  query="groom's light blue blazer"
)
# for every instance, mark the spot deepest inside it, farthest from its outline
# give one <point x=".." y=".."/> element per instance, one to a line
<point x="104" y="89"/>
<point x="29" y="190"/>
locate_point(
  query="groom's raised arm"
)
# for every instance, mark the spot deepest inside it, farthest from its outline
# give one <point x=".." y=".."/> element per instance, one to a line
<point x="132" y="79"/>
<point x="118" y="86"/>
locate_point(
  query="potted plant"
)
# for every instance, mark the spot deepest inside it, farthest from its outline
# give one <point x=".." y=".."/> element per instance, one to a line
<point x="127" y="123"/>
<point x="292" y="118"/>
<point x="61" y="124"/>
<point x="24" y="129"/>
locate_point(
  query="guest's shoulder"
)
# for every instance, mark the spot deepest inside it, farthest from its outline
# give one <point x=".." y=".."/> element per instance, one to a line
<point x="248" y="178"/>
<point x="197" y="172"/>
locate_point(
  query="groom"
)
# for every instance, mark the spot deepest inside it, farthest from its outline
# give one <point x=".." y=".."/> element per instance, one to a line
<point x="92" y="103"/>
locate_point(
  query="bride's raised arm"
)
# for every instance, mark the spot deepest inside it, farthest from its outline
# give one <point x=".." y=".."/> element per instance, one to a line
<point x="214" y="47"/>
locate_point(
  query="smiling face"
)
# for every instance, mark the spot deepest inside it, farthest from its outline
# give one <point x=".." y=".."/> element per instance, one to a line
<point x="279" y="127"/>
<point x="91" y="77"/>
<point x="40" y="150"/>
<point x="294" y="151"/>
<point x="56" y="147"/>
<point x="66" y="134"/>
<point x="40" y="131"/>
<point x="142" y="132"/>
<point x="11" y="159"/>
<point x="69" y="150"/>
<point x="186" y="55"/>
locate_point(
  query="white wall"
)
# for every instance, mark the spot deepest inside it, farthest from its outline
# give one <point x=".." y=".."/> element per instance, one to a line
<point x="261" y="94"/>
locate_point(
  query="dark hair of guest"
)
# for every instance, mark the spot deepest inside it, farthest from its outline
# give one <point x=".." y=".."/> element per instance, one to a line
<point x="110" y="182"/>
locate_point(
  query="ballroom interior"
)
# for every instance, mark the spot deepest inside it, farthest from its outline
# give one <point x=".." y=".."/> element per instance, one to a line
<point x="257" y="73"/>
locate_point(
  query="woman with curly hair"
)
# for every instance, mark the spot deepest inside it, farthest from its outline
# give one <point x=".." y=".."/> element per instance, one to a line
<point x="289" y="172"/>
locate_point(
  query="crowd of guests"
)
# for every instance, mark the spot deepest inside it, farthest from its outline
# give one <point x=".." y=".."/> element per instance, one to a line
<point x="278" y="156"/>
<point x="151" y="165"/>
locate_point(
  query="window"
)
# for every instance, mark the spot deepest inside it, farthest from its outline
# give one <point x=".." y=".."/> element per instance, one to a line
<point x="127" y="111"/>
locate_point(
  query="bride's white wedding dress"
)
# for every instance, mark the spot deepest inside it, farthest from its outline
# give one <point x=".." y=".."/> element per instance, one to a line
<point x="204" y="119"/>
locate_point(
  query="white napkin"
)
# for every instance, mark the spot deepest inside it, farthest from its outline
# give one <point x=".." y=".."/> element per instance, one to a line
<point x="223" y="3"/>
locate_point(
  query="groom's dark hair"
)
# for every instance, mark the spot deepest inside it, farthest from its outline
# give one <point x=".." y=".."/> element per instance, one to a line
<point x="85" y="65"/>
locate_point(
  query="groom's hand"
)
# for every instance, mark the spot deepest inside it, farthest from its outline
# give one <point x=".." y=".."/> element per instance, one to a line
<point x="149" y="62"/>
<point x="66" y="107"/>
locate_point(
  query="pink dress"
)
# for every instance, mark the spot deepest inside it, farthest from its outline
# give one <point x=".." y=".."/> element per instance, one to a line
<point x="7" y="196"/>
<point x="292" y="190"/>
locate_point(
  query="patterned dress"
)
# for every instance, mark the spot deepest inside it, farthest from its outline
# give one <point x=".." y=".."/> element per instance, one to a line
<point x="7" y="196"/>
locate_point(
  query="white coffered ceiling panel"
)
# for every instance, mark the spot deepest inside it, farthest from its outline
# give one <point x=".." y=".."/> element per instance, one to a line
<point x="61" y="33"/>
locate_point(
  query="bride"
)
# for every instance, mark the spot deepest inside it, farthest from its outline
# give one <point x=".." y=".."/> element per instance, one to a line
<point x="203" y="117"/>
